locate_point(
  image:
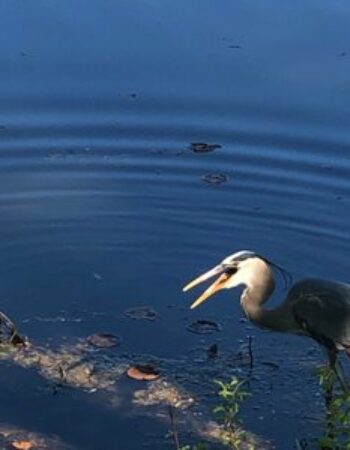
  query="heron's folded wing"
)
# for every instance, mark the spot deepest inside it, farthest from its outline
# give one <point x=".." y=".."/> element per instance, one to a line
<point x="323" y="310"/>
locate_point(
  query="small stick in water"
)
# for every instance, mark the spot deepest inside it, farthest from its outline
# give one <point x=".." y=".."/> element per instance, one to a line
<point x="250" y="351"/>
<point x="174" y="431"/>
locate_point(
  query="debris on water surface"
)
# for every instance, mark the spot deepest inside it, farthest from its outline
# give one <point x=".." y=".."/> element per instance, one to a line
<point x="79" y="366"/>
<point x="164" y="393"/>
<point x="77" y="375"/>
<point x="215" y="178"/>
<point x="202" y="326"/>
<point x="202" y="147"/>
<point x="213" y="351"/>
<point x="144" y="372"/>
<point x="104" y="340"/>
<point x="141" y="313"/>
<point x="75" y="366"/>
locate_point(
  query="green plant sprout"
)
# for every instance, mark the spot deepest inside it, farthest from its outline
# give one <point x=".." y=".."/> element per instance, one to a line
<point x="232" y="395"/>
<point x="337" y="429"/>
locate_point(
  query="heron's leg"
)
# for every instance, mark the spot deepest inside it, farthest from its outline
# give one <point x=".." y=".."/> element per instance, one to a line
<point x="328" y="387"/>
<point x="337" y="368"/>
<point x="341" y="375"/>
<point x="332" y="357"/>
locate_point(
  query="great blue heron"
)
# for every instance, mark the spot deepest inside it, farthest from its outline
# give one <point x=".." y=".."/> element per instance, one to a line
<point x="316" y="308"/>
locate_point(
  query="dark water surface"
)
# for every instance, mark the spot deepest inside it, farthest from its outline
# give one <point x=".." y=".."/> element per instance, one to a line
<point x="104" y="206"/>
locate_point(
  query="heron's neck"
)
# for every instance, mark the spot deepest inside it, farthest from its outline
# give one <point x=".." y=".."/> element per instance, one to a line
<point x="252" y="300"/>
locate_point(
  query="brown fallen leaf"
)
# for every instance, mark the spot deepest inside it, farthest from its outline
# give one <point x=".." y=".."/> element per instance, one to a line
<point x="23" y="445"/>
<point x="144" y="372"/>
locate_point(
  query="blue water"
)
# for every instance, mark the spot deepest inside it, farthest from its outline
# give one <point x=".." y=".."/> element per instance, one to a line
<point x="99" y="103"/>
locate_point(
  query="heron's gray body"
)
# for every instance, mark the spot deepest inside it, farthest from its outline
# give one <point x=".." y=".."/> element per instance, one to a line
<point x="321" y="309"/>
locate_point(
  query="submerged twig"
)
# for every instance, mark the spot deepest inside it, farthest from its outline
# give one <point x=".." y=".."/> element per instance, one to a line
<point x="339" y="371"/>
<point x="174" y="431"/>
<point x="9" y="330"/>
<point x="301" y="444"/>
<point x="250" y="351"/>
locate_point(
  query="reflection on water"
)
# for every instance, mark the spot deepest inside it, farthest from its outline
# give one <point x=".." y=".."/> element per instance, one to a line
<point x="110" y="198"/>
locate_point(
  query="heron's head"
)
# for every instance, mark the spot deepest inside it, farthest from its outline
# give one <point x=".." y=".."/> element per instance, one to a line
<point x="236" y="269"/>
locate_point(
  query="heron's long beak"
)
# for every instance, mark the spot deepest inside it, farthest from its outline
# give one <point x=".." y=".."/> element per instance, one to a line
<point x="218" y="284"/>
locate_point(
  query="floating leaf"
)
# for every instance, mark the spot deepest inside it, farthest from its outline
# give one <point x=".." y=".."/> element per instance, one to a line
<point x="215" y="178"/>
<point x="144" y="372"/>
<point x="104" y="340"/>
<point x="141" y="313"/>
<point x="202" y="147"/>
<point x="22" y="445"/>
<point x="204" y="327"/>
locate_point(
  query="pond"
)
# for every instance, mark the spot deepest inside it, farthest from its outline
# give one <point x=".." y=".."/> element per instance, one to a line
<point x="140" y="143"/>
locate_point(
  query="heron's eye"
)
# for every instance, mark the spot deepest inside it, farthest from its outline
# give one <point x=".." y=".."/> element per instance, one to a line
<point x="231" y="270"/>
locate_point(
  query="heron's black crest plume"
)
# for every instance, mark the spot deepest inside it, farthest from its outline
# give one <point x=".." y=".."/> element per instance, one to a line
<point x="247" y="254"/>
<point x="286" y="276"/>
